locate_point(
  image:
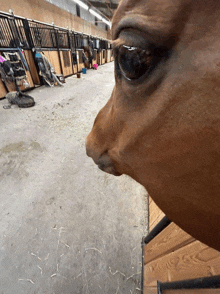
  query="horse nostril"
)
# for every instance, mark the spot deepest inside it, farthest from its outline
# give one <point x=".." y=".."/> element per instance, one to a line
<point x="88" y="151"/>
<point x="92" y="152"/>
<point x="102" y="159"/>
<point x="88" y="148"/>
<point x="107" y="165"/>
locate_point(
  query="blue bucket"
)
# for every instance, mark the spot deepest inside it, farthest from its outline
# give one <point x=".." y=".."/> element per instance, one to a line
<point x="84" y="70"/>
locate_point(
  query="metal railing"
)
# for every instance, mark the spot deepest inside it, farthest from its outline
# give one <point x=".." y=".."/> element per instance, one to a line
<point x="7" y="37"/>
<point x="17" y="32"/>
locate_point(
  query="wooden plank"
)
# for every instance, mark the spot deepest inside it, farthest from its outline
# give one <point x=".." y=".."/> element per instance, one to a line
<point x="29" y="79"/>
<point x="34" y="74"/>
<point x="79" y="60"/>
<point x="170" y="239"/>
<point x="150" y="290"/>
<point x="3" y="92"/>
<point x="74" y="68"/>
<point x="194" y="260"/>
<point x="66" y="64"/>
<point x="11" y="86"/>
<point x="154" y="212"/>
<point x="103" y="56"/>
<point x="53" y="57"/>
<point x="155" y="215"/>
<point x="99" y="58"/>
<point x="192" y="291"/>
<point x="95" y="57"/>
<point x="87" y="64"/>
<point x="108" y="55"/>
<point x="47" y="12"/>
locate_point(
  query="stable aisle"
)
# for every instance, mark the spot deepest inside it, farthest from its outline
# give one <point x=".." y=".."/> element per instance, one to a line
<point x="66" y="227"/>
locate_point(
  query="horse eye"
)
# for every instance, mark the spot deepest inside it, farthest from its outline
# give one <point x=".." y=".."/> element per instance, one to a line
<point x="134" y="62"/>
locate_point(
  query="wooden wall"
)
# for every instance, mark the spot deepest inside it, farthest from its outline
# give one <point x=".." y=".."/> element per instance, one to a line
<point x="74" y="68"/>
<point x="68" y="69"/>
<point x="174" y="255"/>
<point x="66" y="61"/>
<point x="46" y="12"/>
<point x="108" y="55"/>
<point x="95" y="60"/>
<point x="103" y="56"/>
<point x="11" y="85"/>
<point x="30" y="60"/>
<point x="79" y="60"/>
<point x="99" y="58"/>
<point x="155" y="214"/>
<point x="3" y="91"/>
<point x="52" y="56"/>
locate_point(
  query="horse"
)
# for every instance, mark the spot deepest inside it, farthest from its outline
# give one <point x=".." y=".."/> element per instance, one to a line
<point x="161" y="125"/>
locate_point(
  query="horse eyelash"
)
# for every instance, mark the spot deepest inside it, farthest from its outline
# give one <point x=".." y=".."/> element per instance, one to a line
<point x="117" y="44"/>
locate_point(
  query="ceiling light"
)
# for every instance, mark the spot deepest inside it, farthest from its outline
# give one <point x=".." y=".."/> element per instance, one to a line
<point x="107" y="22"/>
<point x="82" y="4"/>
<point x="95" y="14"/>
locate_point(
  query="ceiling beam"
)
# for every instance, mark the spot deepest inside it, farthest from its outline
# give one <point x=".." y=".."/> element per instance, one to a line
<point x="109" y="9"/>
<point x="99" y="4"/>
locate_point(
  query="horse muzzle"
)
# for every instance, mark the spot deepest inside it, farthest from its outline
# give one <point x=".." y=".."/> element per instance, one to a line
<point x="102" y="159"/>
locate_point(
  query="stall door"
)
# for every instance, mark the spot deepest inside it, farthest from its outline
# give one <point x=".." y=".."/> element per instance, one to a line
<point x="176" y="263"/>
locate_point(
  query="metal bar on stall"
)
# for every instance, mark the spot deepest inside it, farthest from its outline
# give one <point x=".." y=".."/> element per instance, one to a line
<point x="70" y="46"/>
<point x="17" y="31"/>
<point x="11" y="29"/>
<point x="58" y="50"/>
<point x="198" y="283"/>
<point x="157" y="229"/>
<point x="77" y="68"/>
<point x="28" y="33"/>
<point x="40" y="36"/>
<point x="8" y="49"/>
<point x="6" y="29"/>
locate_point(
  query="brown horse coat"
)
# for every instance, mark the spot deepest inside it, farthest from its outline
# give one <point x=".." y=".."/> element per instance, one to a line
<point x="161" y="125"/>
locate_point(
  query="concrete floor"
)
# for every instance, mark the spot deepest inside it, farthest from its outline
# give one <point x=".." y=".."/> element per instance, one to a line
<point x="66" y="227"/>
